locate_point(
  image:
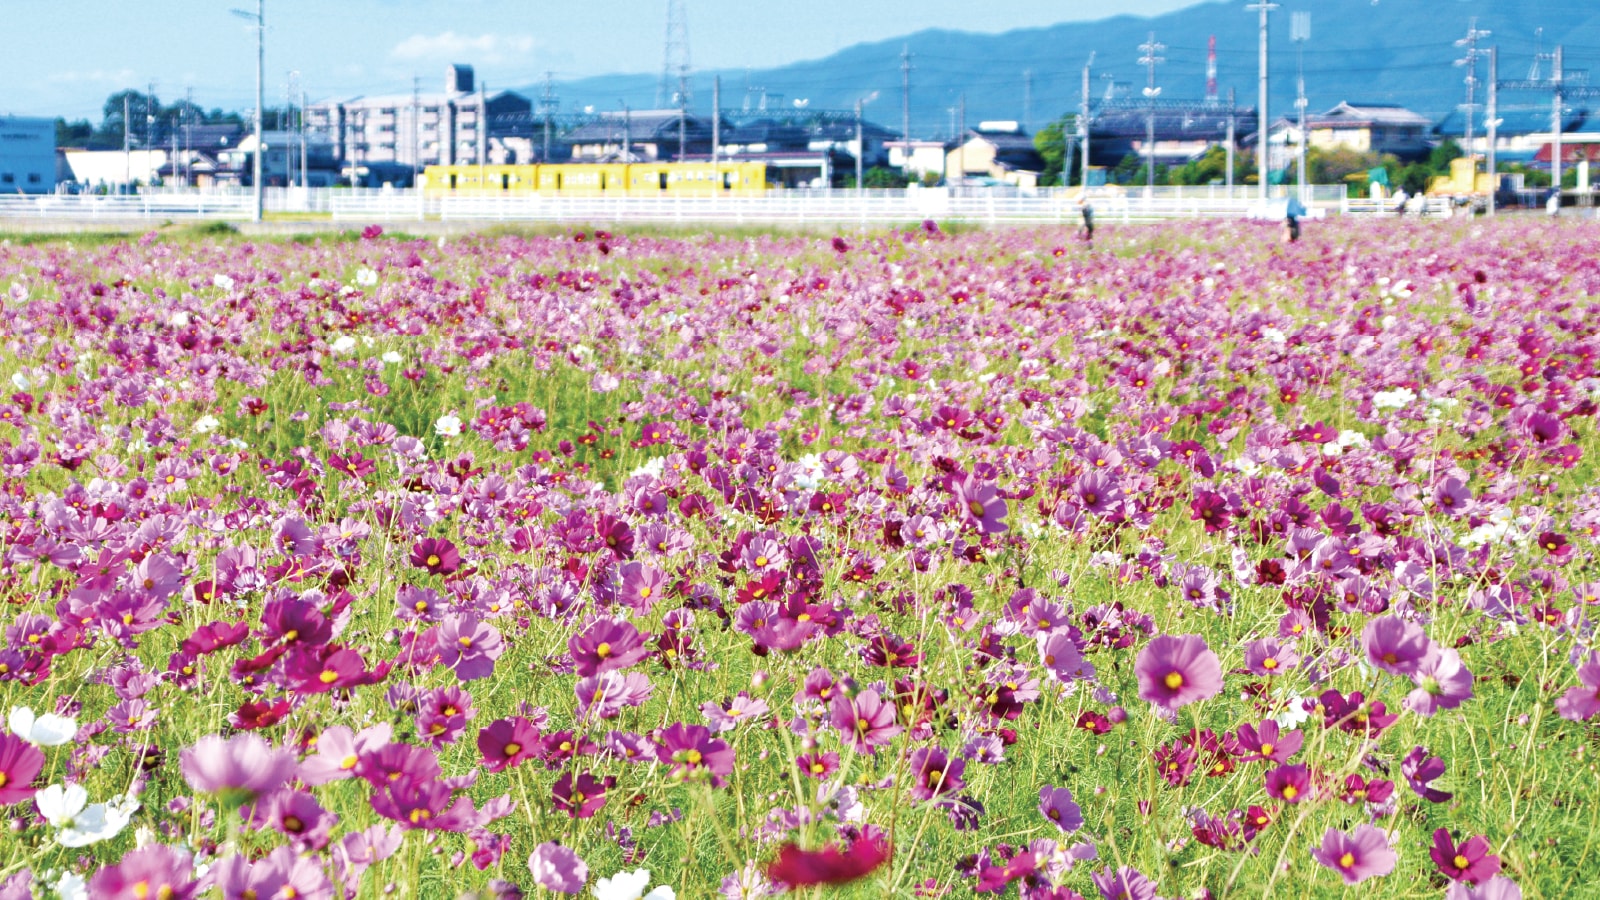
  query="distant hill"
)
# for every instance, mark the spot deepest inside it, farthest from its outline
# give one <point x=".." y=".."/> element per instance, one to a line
<point x="1373" y="51"/>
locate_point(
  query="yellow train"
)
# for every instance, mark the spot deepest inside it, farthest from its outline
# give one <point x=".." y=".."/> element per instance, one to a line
<point x="589" y="179"/>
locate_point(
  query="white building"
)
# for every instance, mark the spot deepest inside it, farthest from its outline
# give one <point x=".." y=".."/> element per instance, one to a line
<point x="421" y="128"/>
<point x="27" y="155"/>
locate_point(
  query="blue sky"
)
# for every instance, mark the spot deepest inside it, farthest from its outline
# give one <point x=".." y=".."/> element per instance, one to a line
<point x="63" y="57"/>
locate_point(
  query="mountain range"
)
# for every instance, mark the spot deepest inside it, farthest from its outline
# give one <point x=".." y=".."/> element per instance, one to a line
<point x="1401" y="52"/>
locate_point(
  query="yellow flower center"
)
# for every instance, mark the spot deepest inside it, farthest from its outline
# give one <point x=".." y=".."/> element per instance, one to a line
<point x="1269" y="663"/>
<point x="1266" y="749"/>
<point x="1173" y="681"/>
<point x="603" y="651"/>
<point x="1461" y="861"/>
<point x="1347" y="860"/>
<point x="512" y="749"/>
<point x="433" y="560"/>
<point x="328" y="676"/>
<point x="1290" y="792"/>
<point x="693" y="757"/>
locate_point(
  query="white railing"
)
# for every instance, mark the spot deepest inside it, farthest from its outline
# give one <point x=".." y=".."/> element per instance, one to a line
<point x="1430" y="207"/>
<point x="847" y="206"/>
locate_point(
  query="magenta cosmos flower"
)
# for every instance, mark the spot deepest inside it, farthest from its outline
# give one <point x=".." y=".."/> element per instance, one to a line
<point x="694" y="754"/>
<point x="1176" y="670"/>
<point x="237" y="770"/>
<point x="20" y="763"/>
<point x="1470" y="861"/>
<point x="1358" y="855"/>
<point x="606" y="645"/>
<point x="437" y="555"/>
<point x="981" y="505"/>
<point x="1395" y="645"/>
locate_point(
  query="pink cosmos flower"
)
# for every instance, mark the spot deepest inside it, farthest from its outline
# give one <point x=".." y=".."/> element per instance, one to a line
<point x="1442" y="682"/>
<point x="1291" y="784"/>
<point x="558" y="868"/>
<point x="155" y="870"/>
<point x="693" y="754"/>
<point x="338" y="751"/>
<point x="469" y="647"/>
<point x="1582" y="702"/>
<point x="1126" y="883"/>
<point x="1058" y="806"/>
<point x="1268" y="742"/>
<point x="865" y="721"/>
<point x="1395" y="645"/>
<point x="1175" y="671"/>
<point x="980" y="505"/>
<point x="1356" y="856"/>
<point x="1497" y="888"/>
<point x="237" y="770"/>
<point x="437" y="555"/>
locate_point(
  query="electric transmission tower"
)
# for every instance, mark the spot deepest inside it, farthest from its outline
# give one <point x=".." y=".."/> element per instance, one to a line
<point x="1470" y="60"/>
<point x="1149" y="58"/>
<point x="675" y="58"/>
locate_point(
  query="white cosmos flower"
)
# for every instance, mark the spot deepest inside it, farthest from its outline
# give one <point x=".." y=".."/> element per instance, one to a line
<point x="449" y="425"/>
<point x="630" y="886"/>
<point x="344" y="344"/>
<point x="392" y="358"/>
<point x="206" y="424"/>
<point x="71" y="886"/>
<point x="222" y="281"/>
<point x="48" y="730"/>
<point x="20" y="380"/>
<point x="81" y="823"/>
<point x="366" y="277"/>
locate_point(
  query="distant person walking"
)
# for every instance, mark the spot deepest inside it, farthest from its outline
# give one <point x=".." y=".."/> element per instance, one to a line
<point x="1293" y="210"/>
<point x="1552" y="206"/>
<point x="1086" y="208"/>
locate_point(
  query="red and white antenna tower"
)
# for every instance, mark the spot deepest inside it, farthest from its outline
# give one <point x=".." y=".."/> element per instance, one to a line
<point x="1211" y="71"/>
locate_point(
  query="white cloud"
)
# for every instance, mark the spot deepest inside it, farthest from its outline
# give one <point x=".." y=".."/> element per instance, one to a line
<point x="93" y="76"/>
<point x="488" y="49"/>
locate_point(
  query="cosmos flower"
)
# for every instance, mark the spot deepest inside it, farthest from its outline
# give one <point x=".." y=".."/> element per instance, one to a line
<point x="20" y="763"/>
<point x="1057" y="805"/>
<point x="154" y="870"/>
<point x="631" y="886"/>
<point x="559" y="868"/>
<point x="1395" y="645"/>
<point x="1582" y="702"/>
<point x="1175" y="671"/>
<point x="831" y="864"/>
<point x="1357" y="856"/>
<point x="48" y="730"/>
<point x="607" y="645"/>
<point x="1442" y="682"/>
<point x="238" y="769"/>
<point x="1470" y="861"/>
<point x="865" y="722"/>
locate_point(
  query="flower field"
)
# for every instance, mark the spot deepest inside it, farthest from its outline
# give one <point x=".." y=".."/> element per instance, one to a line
<point x="910" y="563"/>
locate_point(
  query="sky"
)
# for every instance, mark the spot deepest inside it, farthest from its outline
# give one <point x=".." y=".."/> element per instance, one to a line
<point x="64" y="57"/>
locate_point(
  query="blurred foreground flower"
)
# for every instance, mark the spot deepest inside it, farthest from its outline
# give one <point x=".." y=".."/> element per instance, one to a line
<point x="830" y="865"/>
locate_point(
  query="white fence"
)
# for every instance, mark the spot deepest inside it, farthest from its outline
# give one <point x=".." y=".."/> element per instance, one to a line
<point x="822" y="207"/>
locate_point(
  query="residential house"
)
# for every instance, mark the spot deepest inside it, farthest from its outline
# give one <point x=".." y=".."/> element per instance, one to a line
<point x="1000" y="151"/>
<point x="27" y="155"/>
<point x="639" y="136"/>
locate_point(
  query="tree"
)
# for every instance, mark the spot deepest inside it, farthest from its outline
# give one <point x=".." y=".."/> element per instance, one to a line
<point x="1051" y="142"/>
<point x="73" y="134"/>
<point x="1210" y="168"/>
<point x="1439" y="159"/>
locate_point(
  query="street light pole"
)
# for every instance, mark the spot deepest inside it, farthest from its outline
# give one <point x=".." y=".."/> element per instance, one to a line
<point x="1261" y="104"/>
<point x="261" y="100"/>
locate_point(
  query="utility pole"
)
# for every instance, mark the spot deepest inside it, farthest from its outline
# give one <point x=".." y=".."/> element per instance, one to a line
<point x="1299" y="33"/>
<point x="860" y="150"/>
<point x="1149" y="60"/>
<point x="1232" y="109"/>
<point x="1555" y="122"/>
<point x="260" y="18"/>
<point x="1493" y="123"/>
<point x="305" y="180"/>
<point x="127" y="148"/>
<point x="483" y="130"/>
<point x="547" y="104"/>
<point x="1264" y="6"/>
<point x="716" y="131"/>
<point x="961" y="140"/>
<point x="1083" y="124"/>
<point x="1027" y="100"/>
<point x="627" y="133"/>
<point x="416" y="129"/>
<point x="289" y="91"/>
<point x="905" y="105"/>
